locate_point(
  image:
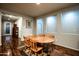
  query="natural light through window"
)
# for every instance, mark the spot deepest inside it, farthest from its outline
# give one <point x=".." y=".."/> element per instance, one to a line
<point x="51" y="24"/>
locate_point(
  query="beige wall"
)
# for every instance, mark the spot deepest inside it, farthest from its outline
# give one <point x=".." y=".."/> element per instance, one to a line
<point x="21" y="23"/>
<point x="23" y="31"/>
<point x="68" y="37"/>
<point x="34" y="26"/>
<point x="26" y="31"/>
<point x="63" y="38"/>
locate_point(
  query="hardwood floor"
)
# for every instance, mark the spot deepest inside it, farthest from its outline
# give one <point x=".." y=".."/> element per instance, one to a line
<point x="17" y="52"/>
<point x="7" y="50"/>
<point x="67" y="51"/>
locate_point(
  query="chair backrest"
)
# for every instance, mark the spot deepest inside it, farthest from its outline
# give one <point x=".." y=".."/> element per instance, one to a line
<point x="33" y="44"/>
<point x="41" y="35"/>
<point x="33" y="35"/>
<point x="50" y="35"/>
<point x="27" y="41"/>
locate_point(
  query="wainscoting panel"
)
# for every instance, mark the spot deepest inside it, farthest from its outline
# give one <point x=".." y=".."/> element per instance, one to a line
<point x="68" y="40"/>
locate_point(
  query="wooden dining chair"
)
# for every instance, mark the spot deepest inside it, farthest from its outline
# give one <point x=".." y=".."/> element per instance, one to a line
<point x="50" y="35"/>
<point x="35" y="48"/>
<point x="33" y="35"/>
<point x="27" y="42"/>
<point x="41" y="35"/>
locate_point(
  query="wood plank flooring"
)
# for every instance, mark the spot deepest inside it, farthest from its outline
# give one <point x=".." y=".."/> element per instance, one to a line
<point x="16" y="52"/>
<point x="7" y="50"/>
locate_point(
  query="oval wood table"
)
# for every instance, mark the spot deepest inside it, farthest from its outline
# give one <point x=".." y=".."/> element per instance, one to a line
<point x="39" y="39"/>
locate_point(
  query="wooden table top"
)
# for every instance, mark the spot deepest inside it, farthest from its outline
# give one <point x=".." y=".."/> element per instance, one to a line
<point x="42" y="39"/>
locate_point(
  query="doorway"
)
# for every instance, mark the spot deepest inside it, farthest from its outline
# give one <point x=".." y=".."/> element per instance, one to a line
<point x="7" y="26"/>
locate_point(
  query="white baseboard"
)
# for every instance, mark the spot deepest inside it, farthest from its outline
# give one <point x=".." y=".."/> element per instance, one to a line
<point x="66" y="46"/>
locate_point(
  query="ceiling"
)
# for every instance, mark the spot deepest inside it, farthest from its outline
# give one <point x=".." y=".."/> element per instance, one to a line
<point x="32" y="9"/>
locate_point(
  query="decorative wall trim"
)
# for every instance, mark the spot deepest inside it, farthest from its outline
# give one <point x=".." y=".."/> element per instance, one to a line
<point x="70" y="34"/>
<point x="52" y="32"/>
<point x="63" y="33"/>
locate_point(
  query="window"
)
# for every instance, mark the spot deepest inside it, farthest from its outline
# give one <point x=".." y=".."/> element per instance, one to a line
<point x="51" y="24"/>
<point x="39" y="26"/>
<point x="70" y="22"/>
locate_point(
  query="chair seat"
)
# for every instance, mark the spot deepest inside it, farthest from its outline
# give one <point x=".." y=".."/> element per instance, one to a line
<point x="37" y="49"/>
<point x="27" y="45"/>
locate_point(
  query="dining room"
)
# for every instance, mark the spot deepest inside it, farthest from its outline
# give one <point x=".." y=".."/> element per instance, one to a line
<point x="45" y="29"/>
